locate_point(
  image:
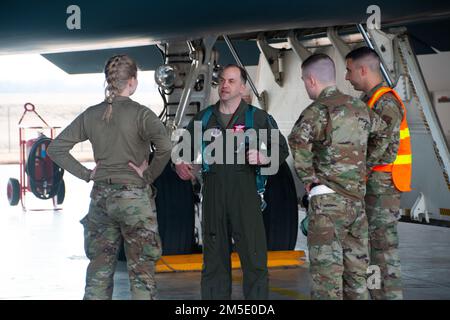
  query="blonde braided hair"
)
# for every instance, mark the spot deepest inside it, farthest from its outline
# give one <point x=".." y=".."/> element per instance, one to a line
<point x="118" y="70"/>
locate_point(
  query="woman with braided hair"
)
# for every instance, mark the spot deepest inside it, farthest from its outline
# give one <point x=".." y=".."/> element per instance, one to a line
<point x="122" y="204"/>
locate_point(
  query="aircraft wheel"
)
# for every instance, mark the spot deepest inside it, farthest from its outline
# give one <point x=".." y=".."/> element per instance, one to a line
<point x="176" y="214"/>
<point x="13" y="191"/>
<point x="281" y="214"/>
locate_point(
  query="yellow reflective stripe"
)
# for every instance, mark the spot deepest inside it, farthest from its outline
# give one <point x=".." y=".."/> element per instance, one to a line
<point x="404" y="133"/>
<point x="403" y="159"/>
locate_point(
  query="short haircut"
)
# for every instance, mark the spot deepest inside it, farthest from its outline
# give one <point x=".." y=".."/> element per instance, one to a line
<point x="366" y="56"/>
<point x="321" y="66"/>
<point x="242" y="71"/>
<point x="362" y="52"/>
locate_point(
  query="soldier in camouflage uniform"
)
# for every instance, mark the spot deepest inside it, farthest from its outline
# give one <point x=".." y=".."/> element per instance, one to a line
<point x="329" y="147"/>
<point x="122" y="199"/>
<point x="382" y="198"/>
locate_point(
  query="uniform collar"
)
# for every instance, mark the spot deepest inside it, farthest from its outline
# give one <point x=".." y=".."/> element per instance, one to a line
<point x="327" y="92"/>
<point x="366" y="97"/>
<point x="122" y="98"/>
<point x="239" y="111"/>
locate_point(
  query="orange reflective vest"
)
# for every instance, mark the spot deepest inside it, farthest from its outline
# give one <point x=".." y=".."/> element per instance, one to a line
<point x="402" y="166"/>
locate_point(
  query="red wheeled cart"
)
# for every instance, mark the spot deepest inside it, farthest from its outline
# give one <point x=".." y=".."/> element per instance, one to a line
<point x="38" y="173"/>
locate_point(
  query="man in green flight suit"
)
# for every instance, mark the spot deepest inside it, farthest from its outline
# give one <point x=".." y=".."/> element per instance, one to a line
<point x="231" y="203"/>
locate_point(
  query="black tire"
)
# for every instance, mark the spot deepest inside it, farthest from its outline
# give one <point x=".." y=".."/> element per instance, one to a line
<point x="281" y="214"/>
<point x="38" y="186"/>
<point x="176" y="215"/>
<point x="13" y="191"/>
<point x="61" y="194"/>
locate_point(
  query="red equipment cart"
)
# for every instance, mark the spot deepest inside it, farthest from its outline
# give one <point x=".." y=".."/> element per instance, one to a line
<point x="38" y="173"/>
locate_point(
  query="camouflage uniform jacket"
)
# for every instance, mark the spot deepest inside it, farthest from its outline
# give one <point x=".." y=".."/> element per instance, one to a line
<point x="329" y="142"/>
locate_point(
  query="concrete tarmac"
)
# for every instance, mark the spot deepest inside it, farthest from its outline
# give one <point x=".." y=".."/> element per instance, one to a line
<point x="42" y="255"/>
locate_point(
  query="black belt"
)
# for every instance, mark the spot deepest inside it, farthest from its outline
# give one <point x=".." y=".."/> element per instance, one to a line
<point x="112" y="181"/>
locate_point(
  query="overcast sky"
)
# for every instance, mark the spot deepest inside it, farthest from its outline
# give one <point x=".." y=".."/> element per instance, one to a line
<point x="31" y="77"/>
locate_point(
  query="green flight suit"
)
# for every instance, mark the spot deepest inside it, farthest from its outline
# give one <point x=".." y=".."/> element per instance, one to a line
<point x="232" y="210"/>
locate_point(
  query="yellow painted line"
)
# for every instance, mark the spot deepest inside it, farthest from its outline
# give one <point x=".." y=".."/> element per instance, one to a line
<point x="194" y="262"/>
<point x="445" y="212"/>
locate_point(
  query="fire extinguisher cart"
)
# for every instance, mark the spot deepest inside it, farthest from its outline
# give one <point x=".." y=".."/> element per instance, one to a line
<point x="38" y="173"/>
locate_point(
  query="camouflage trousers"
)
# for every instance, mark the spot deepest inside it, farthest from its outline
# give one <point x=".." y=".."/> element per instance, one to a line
<point x="383" y="214"/>
<point x="338" y="247"/>
<point x="119" y="212"/>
